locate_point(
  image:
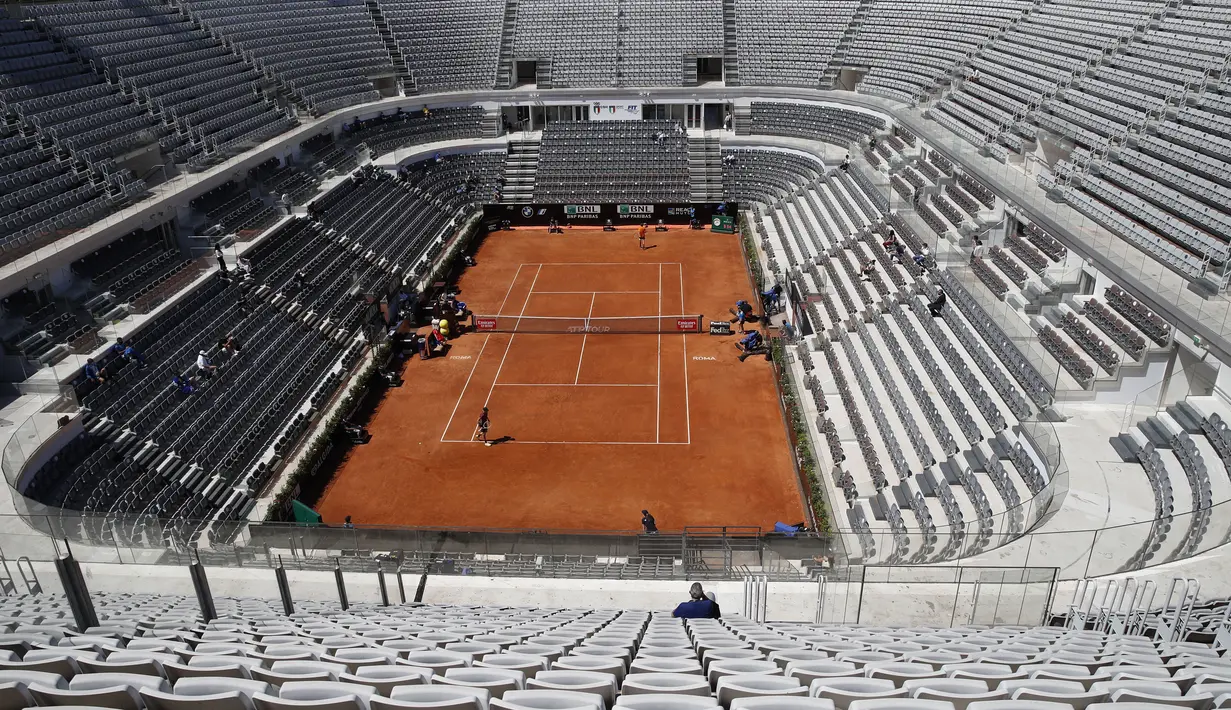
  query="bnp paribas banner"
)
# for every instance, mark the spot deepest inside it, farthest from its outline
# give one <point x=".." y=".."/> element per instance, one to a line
<point x="679" y="213"/>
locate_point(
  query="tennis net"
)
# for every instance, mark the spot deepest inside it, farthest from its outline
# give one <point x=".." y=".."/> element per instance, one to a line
<point x="554" y="324"/>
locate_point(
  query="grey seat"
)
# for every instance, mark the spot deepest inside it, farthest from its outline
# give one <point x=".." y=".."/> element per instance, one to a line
<point x="497" y="681"/>
<point x="385" y="678"/>
<point x="548" y="700"/>
<point x="757" y="685"/>
<point x="665" y="701"/>
<point x="438" y="697"/>
<point x="110" y="690"/>
<point x="781" y="702"/>
<point x="844" y="691"/>
<point x="664" y="683"/>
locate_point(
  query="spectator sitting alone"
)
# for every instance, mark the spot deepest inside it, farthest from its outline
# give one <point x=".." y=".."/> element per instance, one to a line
<point x="204" y="366"/>
<point x="648" y="524"/>
<point x="699" y="606"/>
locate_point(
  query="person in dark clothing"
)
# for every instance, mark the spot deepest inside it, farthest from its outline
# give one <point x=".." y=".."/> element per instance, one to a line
<point x="699" y="606"/>
<point x="183" y="384"/>
<point x="131" y="354"/>
<point x="222" y="262"/>
<point x="936" y="306"/>
<point x="647" y="523"/>
<point x="94" y="375"/>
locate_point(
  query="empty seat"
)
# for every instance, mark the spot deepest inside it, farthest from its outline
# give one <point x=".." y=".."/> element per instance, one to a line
<point x="548" y="700"/>
<point x="668" y="683"/>
<point x="757" y="685"/>
<point x="497" y="681"/>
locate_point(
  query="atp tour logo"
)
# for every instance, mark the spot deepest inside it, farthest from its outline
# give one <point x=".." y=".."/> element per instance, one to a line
<point x="589" y="329"/>
<point x="527" y="212"/>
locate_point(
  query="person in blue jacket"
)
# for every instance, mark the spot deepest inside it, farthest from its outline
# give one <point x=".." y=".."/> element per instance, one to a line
<point x="698" y="606"/>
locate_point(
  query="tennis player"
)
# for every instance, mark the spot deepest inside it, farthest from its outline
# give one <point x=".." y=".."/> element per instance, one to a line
<point x="481" y="430"/>
<point x="641" y="236"/>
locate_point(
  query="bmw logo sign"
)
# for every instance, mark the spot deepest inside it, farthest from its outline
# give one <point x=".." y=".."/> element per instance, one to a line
<point x="527" y="212"/>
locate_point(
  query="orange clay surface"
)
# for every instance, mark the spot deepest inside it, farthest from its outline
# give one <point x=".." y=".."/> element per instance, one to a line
<point x="593" y="427"/>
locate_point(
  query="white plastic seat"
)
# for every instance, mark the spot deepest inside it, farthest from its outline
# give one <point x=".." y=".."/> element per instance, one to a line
<point x="337" y="702"/>
<point x="958" y="692"/>
<point x="713" y="655"/>
<point x="307" y="668"/>
<point x="1015" y="705"/>
<point x="385" y="678"/>
<point x="899" y="704"/>
<point x="108" y="690"/>
<point x="900" y="671"/>
<point x="223" y="700"/>
<point x="1069" y="692"/>
<point x="601" y="664"/>
<point x="601" y="684"/>
<point x="530" y="665"/>
<point x="719" y="669"/>
<point x="665" y="665"/>
<point x="664" y="683"/>
<point x="844" y="691"/>
<point x="781" y="702"/>
<point x="666" y="701"/>
<point x="863" y="658"/>
<point x="497" y="681"/>
<point x="437" y="697"/>
<point x="548" y="700"/>
<point x="752" y="685"/>
<point x="808" y="671"/>
<point x="315" y="690"/>
<point x="437" y="661"/>
<point x="785" y="658"/>
<point x="666" y="652"/>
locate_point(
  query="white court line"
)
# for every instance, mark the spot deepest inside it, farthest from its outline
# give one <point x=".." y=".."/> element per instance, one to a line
<point x="575" y="443"/>
<point x="658" y="362"/>
<point x="684" y="339"/>
<point x="601" y="263"/>
<point x="509" y="345"/>
<point x="566" y="292"/>
<point x="581" y="356"/>
<point x="476" y="360"/>
<point x="566" y="384"/>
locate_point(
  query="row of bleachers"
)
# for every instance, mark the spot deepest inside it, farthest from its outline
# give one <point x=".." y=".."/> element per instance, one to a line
<point x="203" y="92"/>
<point x="912" y="48"/>
<point x="63" y="124"/>
<point x="823" y="234"/>
<point x="292" y="321"/>
<point x="388" y="132"/>
<point x="824" y="123"/>
<point x="788" y="43"/>
<point x="503" y="658"/>
<point x="447" y="44"/>
<point x="613" y="161"/>
<point x="322" y="51"/>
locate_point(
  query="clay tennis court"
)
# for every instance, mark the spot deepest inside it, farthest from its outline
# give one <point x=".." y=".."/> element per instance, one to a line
<point x="592" y="423"/>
